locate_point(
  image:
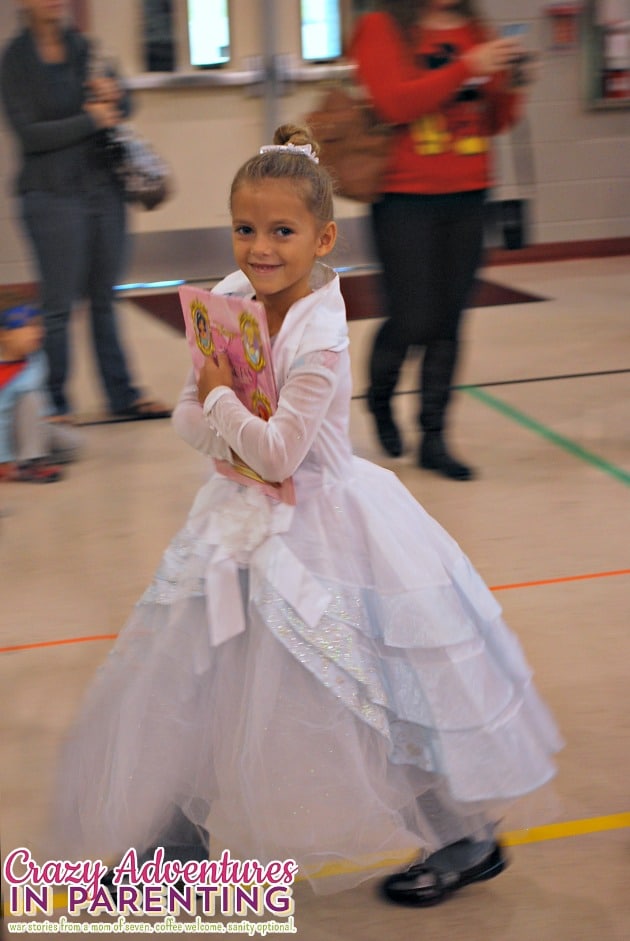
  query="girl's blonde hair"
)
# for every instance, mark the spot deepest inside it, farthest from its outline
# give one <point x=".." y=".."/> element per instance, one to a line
<point x="312" y="180"/>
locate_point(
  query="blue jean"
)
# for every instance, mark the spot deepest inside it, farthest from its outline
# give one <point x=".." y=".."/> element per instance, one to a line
<point x="30" y="379"/>
<point x="79" y="246"/>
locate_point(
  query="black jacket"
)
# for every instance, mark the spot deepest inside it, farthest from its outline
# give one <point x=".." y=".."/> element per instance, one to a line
<point x="61" y="147"/>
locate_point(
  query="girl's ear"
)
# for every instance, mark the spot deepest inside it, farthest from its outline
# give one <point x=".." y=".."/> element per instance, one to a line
<point x="326" y="239"/>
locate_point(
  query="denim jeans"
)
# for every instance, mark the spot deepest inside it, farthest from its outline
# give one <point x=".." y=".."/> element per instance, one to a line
<point x="79" y="246"/>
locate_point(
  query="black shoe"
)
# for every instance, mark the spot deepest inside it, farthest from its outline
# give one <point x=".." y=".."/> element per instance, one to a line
<point x="434" y="456"/>
<point x="422" y="885"/>
<point x="386" y="428"/>
<point x="142" y="410"/>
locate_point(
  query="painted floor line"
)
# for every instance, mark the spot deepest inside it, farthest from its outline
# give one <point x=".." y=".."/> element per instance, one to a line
<point x="553" y="378"/>
<point x="560" y="831"/>
<point x="559" y="440"/>
<point x="57" y="643"/>
<point x="538" y="583"/>
<point x="559" y="581"/>
<point x="493" y="383"/>
<point x="552" y="831"/>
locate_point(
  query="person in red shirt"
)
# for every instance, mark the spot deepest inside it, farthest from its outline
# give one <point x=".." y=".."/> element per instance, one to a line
<point x="436" y="72"/>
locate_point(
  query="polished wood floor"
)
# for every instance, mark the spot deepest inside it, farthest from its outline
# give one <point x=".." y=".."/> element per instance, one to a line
<point x="545" y="417"/>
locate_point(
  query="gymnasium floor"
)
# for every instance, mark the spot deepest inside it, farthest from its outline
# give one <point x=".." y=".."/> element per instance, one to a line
<point x="546" y="420"/>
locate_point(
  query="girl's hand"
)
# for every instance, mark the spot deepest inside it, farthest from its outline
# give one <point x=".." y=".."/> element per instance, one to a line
<point x="490" y="57"/>
<point x="214" y="373"/>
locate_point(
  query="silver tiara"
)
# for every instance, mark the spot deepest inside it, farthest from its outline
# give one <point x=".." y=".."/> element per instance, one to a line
<point x="304" y="149"/>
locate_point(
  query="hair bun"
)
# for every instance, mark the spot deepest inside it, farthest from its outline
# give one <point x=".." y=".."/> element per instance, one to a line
<point x="297" y="134"/>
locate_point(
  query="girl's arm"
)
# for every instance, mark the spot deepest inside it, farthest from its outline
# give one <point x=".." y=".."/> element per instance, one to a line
<point x="385" y="68"/>
<point x="276" y="448"/>
<point x="190" y="424"/>
<point x="402" y="94"/>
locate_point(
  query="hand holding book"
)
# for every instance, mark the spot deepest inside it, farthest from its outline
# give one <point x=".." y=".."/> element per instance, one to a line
<point x="216" y="371"/>
<point x="229" y="343"/>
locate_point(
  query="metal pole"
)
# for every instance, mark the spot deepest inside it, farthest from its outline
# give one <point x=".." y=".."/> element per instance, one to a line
<point x="270" y="68"/>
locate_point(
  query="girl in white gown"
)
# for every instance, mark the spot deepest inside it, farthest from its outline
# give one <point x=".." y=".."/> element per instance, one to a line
<point x="329" y="682"/>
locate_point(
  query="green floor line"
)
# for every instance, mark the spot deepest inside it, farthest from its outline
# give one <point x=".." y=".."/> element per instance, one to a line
<point x="559" y="440"/>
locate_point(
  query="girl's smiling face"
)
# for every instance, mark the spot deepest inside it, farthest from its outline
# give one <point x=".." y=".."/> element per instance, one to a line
<point x="276" y="240"/>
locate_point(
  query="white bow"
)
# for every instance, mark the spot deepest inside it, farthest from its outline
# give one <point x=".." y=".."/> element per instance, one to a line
<point x="245" y="531"/>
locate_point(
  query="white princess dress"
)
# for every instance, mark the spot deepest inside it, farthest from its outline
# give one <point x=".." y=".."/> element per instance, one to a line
<point x="331" y="682"/>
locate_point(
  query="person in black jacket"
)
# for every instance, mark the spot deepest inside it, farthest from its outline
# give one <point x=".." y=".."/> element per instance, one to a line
<point x="71" y="205"/>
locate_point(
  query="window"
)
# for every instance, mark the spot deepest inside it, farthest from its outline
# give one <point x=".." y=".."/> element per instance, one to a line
<point x="159" y="43"/>
<point x="208" y="33"/>
<point x="185" y="37"/>
<point x="321" y="30"/>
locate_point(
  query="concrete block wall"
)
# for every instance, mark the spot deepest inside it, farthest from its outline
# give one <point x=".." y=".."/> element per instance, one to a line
<point x="573" y="159"/>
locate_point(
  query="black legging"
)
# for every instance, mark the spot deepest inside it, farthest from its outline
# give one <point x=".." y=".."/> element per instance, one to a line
<point x="430" y="248"/>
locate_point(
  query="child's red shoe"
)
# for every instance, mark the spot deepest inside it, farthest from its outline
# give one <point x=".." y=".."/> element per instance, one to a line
<point x="36" y="471"/>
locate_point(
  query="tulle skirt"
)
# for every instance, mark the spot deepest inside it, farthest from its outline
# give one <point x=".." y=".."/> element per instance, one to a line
<point x="401" y="717"/>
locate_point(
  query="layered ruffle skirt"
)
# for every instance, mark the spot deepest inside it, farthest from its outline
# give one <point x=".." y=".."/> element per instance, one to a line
<point x="330" y="683"/>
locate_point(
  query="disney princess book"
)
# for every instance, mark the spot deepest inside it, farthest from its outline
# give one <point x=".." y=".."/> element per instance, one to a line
<point x="236" y="326"/>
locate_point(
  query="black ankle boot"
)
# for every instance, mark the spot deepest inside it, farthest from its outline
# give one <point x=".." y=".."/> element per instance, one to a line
<point x="434" y="456"/>
<point x="386" y="428"/>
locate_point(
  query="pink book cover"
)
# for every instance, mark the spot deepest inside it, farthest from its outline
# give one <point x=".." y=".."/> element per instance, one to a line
<point x="237" y="326"/>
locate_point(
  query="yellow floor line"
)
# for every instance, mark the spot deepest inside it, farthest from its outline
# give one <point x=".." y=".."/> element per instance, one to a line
<point x="551" y="831"/>
<point x="559" y="831"/>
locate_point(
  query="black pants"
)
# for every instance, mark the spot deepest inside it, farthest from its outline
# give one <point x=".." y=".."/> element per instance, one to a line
<point x="430" y="248"/>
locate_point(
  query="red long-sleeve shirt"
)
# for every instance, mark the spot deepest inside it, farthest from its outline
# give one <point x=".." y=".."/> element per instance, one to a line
<point x="444" y="117"/>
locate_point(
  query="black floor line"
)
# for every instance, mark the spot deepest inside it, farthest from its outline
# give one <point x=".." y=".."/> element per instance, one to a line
<point x="109" y="420"/>
<point x="518" y="382"/>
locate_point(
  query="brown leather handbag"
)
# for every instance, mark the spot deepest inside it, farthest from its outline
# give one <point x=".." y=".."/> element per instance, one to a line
<point x="354" y="145"/>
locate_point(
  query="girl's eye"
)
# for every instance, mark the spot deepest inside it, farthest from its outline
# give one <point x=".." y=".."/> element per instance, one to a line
<point x="243" y="230"/>
<point x="284" y="230"/>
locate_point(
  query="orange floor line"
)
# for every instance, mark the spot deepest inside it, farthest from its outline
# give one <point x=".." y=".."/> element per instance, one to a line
<point x="535" y="584"/>
<point x="558" y="581"/>
<point x="58" y="643"/>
